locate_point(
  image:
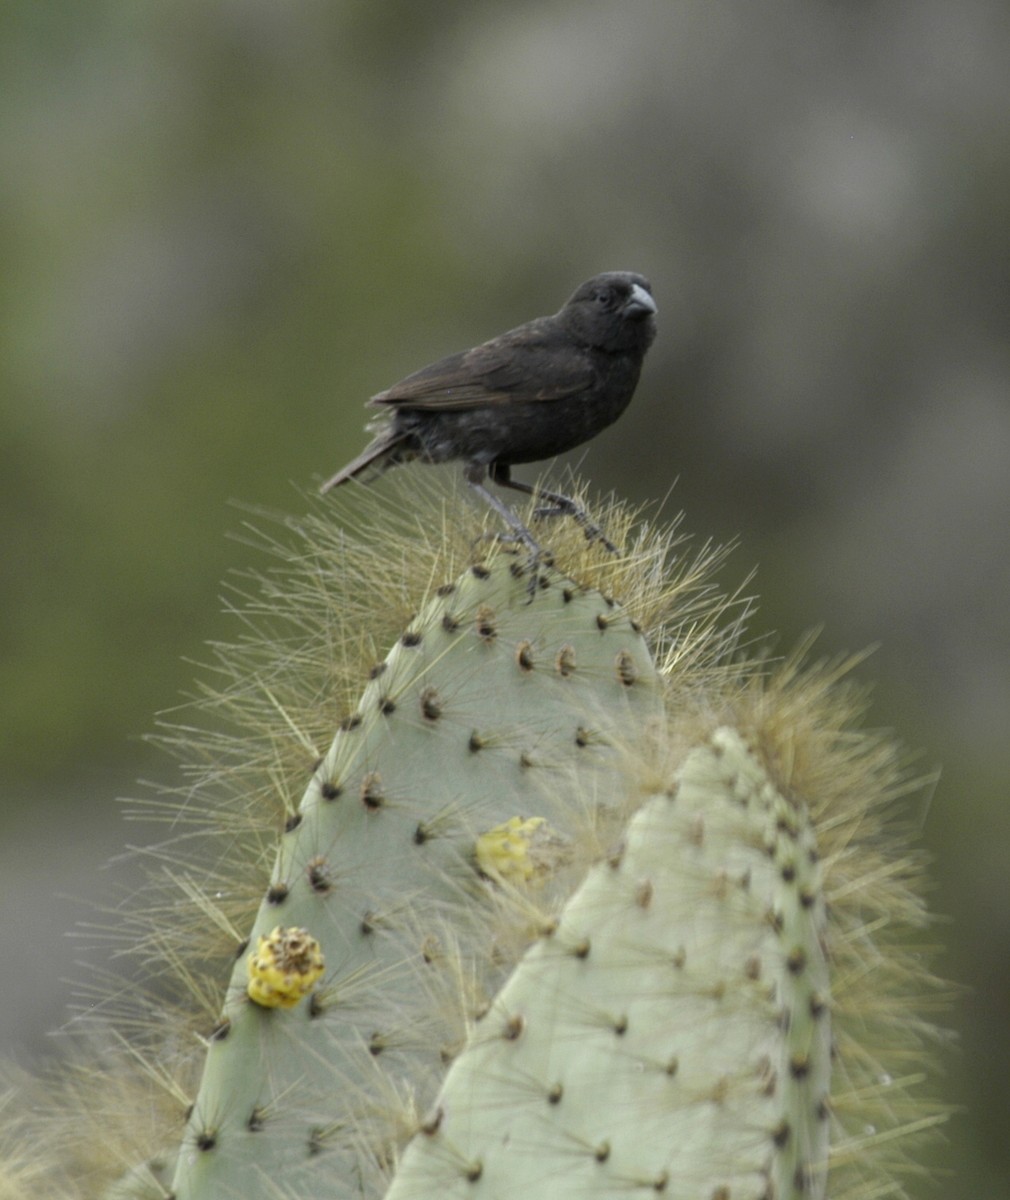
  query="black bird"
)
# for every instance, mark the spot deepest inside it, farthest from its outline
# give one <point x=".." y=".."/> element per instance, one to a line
<point x="529" y="394"/>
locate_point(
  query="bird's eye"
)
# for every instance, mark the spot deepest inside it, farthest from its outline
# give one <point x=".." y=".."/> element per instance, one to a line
<point x="603" y="297"/>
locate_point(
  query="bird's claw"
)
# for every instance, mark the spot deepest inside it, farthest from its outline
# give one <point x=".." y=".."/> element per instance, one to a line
<point x="592" y="531"/>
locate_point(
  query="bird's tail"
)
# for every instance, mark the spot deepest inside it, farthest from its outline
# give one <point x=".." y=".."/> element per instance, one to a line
<point x="383" y="452"/>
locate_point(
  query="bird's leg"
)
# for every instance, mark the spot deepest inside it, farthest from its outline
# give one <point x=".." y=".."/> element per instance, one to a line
<point x="475" y="478"/>
<point x="557" y="504"/>
<point x="519" y="530"/>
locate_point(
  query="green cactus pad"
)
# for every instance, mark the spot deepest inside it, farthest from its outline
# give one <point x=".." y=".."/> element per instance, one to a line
<point x="672" y="1034"/>
<point x="492" y="705"/>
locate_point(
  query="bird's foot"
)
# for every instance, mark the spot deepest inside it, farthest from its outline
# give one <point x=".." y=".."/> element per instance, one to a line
<point x="519" y="533"/>
<point x="568" y="508"/>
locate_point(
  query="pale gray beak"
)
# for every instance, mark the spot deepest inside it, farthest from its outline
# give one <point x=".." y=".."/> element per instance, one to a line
<point x="639" y="303"/>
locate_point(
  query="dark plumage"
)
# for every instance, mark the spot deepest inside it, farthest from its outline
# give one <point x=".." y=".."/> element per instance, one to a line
<point x="529" y="394"/>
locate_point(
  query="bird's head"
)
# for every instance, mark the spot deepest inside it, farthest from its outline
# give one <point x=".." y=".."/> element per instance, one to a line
<point x="614" y="311"/>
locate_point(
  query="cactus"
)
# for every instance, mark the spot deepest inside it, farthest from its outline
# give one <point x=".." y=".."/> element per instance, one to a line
<point x="571" y="878"/>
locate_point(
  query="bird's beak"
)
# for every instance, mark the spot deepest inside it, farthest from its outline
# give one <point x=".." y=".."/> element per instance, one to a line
<point x="639" y="303"/>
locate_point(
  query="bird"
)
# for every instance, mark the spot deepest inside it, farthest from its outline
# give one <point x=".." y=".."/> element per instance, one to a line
<point x="529" y="394"/>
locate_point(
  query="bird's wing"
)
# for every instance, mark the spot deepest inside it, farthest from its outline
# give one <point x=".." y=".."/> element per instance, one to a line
<point x="534" y="362"/>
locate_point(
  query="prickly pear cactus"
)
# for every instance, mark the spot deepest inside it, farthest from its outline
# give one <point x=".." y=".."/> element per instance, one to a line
<point x="489" y="707"/>
<point x="560" y="909"/>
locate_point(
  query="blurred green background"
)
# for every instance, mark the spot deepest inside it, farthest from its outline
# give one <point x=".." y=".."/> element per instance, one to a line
<point x="223" y="225"/>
